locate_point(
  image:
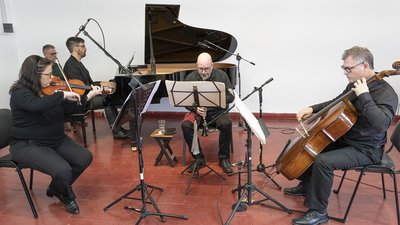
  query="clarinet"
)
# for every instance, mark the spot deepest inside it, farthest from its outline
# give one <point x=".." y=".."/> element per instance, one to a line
<point x="205" y="126"/>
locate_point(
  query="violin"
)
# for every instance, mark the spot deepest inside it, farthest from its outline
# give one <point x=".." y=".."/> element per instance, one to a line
<point x="57" y="84"/>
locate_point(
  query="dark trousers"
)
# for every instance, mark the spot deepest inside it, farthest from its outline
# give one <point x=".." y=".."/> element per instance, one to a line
<point x="64" y="163"/>
<point x="223" y="124"/>
<point x="319" y="176"/>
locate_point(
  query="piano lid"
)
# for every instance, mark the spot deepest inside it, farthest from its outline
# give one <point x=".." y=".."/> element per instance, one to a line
<point x="176" y="42"/>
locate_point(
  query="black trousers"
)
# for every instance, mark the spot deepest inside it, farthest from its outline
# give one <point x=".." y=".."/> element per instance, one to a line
<point x="319" y="176"/>
<point x="223" y="124"/>
<point x="64" y="163"/>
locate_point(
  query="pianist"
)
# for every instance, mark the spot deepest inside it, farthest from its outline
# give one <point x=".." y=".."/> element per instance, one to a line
<point x="74" y="69"/>
<point x="206" y="72"/>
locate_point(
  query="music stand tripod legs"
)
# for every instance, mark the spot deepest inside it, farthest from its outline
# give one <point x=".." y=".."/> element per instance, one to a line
<point x="249" y="187"/>
<point x="145" y="194"/>
<point x="196" y="164"/>
<point x="128" y="106"/>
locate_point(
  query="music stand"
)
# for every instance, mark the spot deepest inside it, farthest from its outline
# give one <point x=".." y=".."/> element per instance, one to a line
<point x="134" y="106"/>
<point x="196" y="94"/>
<point x="261" y="132"/>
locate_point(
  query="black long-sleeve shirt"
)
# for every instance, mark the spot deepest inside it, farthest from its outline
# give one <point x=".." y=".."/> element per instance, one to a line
<point x="40" y="119"/>
<point x="74" y="69"/>
<point x="375" y="112"/>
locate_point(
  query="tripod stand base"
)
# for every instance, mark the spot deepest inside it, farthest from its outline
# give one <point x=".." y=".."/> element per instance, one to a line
<point x="145" y="195"/>
<point x="241" y="208"/>
<point x="249" y="188"/>
<point x="126" y="195"/>
<point x="196" y="164"/>
<point x="144" y="213"/>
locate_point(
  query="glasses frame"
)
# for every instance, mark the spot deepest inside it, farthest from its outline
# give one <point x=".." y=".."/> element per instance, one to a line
<point x="349" y="69"/>
<point x="47" y="74"/>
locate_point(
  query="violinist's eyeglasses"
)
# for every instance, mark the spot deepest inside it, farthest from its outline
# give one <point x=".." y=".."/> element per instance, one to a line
<point x="47" y="74"/>
<point x="348" y="69"/>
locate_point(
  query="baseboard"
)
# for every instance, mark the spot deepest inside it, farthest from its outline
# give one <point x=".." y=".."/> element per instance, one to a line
<point x="232" y="115"/>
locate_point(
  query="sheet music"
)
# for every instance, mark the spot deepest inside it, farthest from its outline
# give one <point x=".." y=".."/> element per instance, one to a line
<point x="127" y="110"/>
<point x="250" y="119"/>
<point x="210" y="93"/>
<point x="153" y="91"/>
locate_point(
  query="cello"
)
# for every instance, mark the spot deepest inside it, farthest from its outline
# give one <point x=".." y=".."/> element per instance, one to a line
<point x="330" y="124"/>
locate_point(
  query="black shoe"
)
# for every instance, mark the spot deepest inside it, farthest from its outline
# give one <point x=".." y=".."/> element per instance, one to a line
<point x="312" y="217"/>
<point x="125" y="130"/>
<point x="72" y="207"/>
<point x="299" y="190"/>
<point x="225" y="164"/>
<point x="120" y="135"/>
<point x="51" y="193"/>
<point x="200" y="164"/>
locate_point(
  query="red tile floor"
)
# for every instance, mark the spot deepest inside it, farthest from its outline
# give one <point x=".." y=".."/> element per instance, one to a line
<point x="115" y="171"/>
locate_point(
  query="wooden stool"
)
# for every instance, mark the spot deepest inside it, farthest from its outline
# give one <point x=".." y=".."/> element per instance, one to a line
<point x="163" y="140"/>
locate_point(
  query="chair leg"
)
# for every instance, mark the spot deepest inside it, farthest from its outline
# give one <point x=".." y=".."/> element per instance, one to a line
<point x="340" y="184"/>
<point x="83" y="125"/>
<point x="231" y="143"/>
<point x="396" y="196"/>
<point x="383" y="185"/>
<point x="31" y="179"/>
<point x="28" y="195"/>
<point x="353" y="195"/>
<point x="184" y="152"/>
<point x="93" y="121"/>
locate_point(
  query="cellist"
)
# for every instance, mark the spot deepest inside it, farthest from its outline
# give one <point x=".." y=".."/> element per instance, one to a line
<point x="375" y="105"/>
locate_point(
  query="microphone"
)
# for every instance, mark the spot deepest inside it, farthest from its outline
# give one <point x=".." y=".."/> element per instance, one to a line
<point x="238" y="163"/>
<point x="202" y="44"/>
<point x="82" y="28"/>
<point x="396" y="65"/>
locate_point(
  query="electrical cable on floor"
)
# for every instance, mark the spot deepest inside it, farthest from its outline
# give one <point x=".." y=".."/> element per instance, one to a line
<point x="284" y="130"/>
<point x="219" y="212"/>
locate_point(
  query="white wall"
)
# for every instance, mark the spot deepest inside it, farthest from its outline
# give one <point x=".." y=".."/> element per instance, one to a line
<point x="298" y="43"/>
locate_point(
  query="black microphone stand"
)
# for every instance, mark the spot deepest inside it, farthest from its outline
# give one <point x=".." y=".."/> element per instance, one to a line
<point x="238" y="59"/>
<point x="125" y="70"/>
<point x="142" y="187"/>
<point x="261" y="167"/>
<point x="249" y="187"/>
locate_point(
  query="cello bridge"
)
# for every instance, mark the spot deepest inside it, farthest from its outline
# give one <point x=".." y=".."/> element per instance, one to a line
<point x="301" y="130"/>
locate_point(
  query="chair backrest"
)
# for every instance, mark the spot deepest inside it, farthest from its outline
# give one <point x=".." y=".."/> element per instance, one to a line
<point x="5" y="127"/>
<point x="395" y="138"/>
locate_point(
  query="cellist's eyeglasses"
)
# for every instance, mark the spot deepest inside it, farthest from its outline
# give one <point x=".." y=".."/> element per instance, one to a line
<point x="348" y="69"/>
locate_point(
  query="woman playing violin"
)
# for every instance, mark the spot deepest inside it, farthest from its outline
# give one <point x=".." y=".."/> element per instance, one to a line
<point x="38" y="139"/>
<point x="375" y="106"/>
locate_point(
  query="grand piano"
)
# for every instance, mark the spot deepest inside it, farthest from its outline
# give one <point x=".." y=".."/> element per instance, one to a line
<point x="171" y="50"/>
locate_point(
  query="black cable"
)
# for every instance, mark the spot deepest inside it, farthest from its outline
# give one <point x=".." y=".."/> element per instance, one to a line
<point x="102" y="33"/>
<point x="218" y="210"/>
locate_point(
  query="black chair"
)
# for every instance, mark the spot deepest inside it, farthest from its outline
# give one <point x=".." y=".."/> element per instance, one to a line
<point x="80" y="119"/>
<point x="5" y="160"/>
<point x="385" y="166"/>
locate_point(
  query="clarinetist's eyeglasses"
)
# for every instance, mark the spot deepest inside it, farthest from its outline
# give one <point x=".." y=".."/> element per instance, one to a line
<point x="205" y="69"/>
